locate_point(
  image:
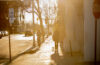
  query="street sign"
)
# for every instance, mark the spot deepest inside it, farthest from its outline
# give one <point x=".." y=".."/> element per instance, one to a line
<point x="9" y="45"/>
<point x="11" y="15"/>
<point x="11" y="20"/>
<point x="96" y="9"/>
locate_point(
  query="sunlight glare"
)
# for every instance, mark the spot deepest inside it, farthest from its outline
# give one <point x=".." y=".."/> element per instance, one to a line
<point x="28" y="17"/>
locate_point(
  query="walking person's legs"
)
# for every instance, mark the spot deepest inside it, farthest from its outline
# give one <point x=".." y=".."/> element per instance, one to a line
<point x="56" y="47"/>
<point x="61" y="46"/>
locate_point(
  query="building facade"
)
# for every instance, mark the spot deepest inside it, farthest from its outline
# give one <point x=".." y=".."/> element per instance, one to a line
<point x="70" y="12"/>
<point x="79" y="21"/>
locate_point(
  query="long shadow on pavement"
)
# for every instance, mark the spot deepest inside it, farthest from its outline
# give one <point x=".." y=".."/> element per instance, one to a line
<point x="31" y="50"/>
<point x="57" y="59"/>
<point x="69" y="60"/>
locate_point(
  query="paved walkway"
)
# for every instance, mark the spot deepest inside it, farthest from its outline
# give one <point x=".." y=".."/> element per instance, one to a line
<point x="42" y="57"/>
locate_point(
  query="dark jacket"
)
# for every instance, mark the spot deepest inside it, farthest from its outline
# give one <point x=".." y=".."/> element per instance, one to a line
<point x="56" y="36"/>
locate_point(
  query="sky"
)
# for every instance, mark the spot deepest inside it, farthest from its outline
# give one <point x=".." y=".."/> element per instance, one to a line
<point x="28" y="16"/>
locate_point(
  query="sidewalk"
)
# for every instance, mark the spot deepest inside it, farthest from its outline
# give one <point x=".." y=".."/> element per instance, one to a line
<point x="41" y="57"/>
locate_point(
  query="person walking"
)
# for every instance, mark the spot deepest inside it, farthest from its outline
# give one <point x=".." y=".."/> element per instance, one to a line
<point x="56" y="39"/>
<point x="58" y="35"/>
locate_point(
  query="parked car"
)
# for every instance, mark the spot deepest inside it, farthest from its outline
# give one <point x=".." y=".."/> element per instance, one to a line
<point x="28" y="33"/>
<point x="1" y="35"/>
<point x="5" y="33"/>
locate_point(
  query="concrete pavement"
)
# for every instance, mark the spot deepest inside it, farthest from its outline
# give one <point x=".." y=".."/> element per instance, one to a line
<point x="42" y="57"/>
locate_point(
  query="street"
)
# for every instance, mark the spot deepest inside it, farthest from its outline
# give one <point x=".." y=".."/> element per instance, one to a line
<point x="19" y="43"/>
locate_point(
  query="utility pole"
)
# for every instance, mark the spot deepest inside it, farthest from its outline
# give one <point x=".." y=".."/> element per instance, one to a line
<point x="33" y="24"/>
<point x="95" y="45"/>
<point x="11" y="20"/>
<point x="9" y="44"/>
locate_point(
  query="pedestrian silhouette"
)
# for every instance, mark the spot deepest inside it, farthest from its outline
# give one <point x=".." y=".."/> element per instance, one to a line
<point x="58" y="35"/>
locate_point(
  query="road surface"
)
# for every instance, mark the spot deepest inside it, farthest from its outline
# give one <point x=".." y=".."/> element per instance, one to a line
<point x="19" y="43"/>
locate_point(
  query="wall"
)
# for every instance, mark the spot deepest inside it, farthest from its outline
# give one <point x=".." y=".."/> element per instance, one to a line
<point x="73" y="20"/>
<point x="88" y="31"/>
<point x="80" y="27"/>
